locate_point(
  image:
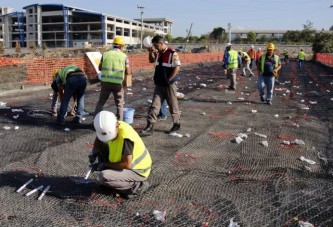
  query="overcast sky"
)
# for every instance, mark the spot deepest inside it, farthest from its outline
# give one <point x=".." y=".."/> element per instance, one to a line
<point x="209" y="14"/>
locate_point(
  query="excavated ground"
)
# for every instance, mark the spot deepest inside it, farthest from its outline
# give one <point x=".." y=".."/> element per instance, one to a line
<point x="201" y="180"/>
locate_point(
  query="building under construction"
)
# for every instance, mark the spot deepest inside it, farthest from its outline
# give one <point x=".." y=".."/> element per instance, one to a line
<point x="57" y="25"/>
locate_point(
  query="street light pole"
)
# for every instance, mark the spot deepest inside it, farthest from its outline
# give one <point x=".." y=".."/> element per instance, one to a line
<point x="229" y="28"/>
<point x="141" y="8"/>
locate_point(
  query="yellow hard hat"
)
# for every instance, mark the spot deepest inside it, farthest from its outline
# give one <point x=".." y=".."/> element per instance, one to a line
<point x="118" y="41"/>
<point x="271" y="46"/>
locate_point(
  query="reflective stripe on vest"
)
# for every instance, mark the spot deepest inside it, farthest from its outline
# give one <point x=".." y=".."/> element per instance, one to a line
<point x="113" y="67"/>
<point x="262" y="62"/>
<point x="233" y="59"/>
<point x="65" y="71"/>
<point x="141" y="162"/>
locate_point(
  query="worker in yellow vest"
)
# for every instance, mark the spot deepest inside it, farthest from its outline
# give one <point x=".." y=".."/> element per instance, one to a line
<point x="301" y="58"/>
<point x="114" y="67"/>
<point x="231" y="62"/>
<point x="268" y="67"/>
<point x="123" y="160"/>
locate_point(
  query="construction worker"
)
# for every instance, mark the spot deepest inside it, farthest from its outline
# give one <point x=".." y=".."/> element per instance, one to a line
<point x="71" y="81"/>
<point x="246" y="60"/>
<point x="55" y="97"/>
<point x="167" y="66"/>
<point x="268" y="67"/>
<point x="231" y="61"/>
<point x="285" y="55"/>
<point x="301" y="58"/>
<point x="252" y="55"/>
<point x="258" y="55"/>
<point x="123" y="160"/>
<point x="114" y="67"/>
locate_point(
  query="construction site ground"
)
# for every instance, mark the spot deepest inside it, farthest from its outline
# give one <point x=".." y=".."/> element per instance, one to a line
<point x="204" y="178"/>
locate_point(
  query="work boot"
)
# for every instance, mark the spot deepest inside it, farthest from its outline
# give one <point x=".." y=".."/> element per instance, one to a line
<point x="174" y="128"/>
<point x="148" y="130"/>
<point x="262" y="98"/>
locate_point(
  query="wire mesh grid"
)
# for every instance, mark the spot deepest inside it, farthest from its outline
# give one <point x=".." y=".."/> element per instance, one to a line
<point x="201" y="180"/>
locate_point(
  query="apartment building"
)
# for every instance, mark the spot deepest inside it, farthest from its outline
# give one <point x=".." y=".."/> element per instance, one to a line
<point x="58" y="25"/>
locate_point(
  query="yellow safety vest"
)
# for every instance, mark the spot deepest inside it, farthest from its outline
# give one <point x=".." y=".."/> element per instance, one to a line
<point x="262" y="62"/>
<point x="141" y="162"/>
<point x="113" y="67"/>
<point x="65" y="71"/>
<point x="233" y="59"/>
<point x="301" y="55"/>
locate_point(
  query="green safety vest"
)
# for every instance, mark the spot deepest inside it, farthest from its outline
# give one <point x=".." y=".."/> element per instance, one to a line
<point x="113" y="67"/>
<point x="262" y="62"/>
<point x="141" y="162"/>
<point x="233" y="59"/>
<point x="301" y="55"/>
<point x="63" y="73"/>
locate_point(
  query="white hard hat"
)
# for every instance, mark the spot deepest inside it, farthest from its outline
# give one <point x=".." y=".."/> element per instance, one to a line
<point x="147" y="42"/>
<point x="105" y="124"/>
<point x="252" y="46"/>
<point x="259" y="48"/>
<point x="228" y="44"/>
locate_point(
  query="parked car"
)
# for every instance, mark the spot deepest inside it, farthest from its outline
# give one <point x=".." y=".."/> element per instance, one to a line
<point x="180" y="49"/>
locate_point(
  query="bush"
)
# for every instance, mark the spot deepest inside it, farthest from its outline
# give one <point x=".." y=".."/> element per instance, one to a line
<point x="323" y="43"/>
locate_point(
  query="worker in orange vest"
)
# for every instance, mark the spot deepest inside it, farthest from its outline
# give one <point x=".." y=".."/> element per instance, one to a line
<point x="252" y="54"/>
<point x="258" y="55"/>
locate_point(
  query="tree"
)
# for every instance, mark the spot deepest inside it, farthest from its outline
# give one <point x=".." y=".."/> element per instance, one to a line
<point x="168" y="37"/>
<point x="323" y="43"/>
<point x="216" y="34"/>
<point x="331" y="28"/>
<point x="308" y="25"/>
<point x="203" y="39"/>
<point x="251" y="37"/>
<point x="263" y="39"/>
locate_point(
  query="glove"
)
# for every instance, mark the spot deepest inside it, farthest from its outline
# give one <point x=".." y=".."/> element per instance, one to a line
<point x="92" y="157"/>
<point x="97" y="167"/>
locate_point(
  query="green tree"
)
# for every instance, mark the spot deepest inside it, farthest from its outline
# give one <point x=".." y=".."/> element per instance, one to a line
<point x="308" y="25"/>
<point x="216" y="34"/>
<point x="323" y="43"/>
<point x="331" y="28"/>
<point x="203" y="39"/>
<point x="168" y="37"/>
<point x="238" y="39"/>
<point x="263" y="39"/>
<point x="251" y="37"/>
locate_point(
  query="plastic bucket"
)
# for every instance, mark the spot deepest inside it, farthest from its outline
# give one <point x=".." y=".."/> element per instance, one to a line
<point x="128" y="115"/>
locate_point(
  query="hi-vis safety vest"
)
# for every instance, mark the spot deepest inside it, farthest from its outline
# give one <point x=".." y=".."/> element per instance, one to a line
<point x="141" y="162"/>
<point x="262" y="62"/>
<point x="233" y="59"/>
<point x="113" y="67"/>
<point x="301" y="55"/>
<point x="63" y="73"/>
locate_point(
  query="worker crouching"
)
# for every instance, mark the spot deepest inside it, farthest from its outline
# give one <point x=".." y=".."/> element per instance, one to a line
<point x="123" y="160"/>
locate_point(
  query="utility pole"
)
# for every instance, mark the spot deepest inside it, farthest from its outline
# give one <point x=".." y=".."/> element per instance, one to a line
<point x="188" y="36"/>
<point x="229" y="28"/>
<point x="141" y="8"/>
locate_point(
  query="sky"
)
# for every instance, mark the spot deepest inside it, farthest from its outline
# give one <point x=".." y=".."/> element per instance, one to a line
<point x="205" y="15"/>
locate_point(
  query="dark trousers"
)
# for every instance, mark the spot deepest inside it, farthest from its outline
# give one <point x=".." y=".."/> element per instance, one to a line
<point x="118" y="94"/>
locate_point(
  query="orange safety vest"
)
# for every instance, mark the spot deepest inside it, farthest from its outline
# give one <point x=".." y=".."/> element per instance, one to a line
<point x="252" y="53"/>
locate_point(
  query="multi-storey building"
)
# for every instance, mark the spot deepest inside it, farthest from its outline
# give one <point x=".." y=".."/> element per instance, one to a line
<point x="57" y="25"/>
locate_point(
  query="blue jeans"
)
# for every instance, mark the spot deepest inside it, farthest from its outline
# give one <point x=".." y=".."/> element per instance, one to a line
<point x="300" y="63"/>
<point x="74" y="85"/>
<point x="164" y="109"/>
<point x="268" y="82"/>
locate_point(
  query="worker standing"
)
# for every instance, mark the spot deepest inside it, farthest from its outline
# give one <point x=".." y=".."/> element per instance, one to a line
<point x="123" y="160"/>
<point x="252" y="55"/>
<point x="71" y="81"/>
<point x="114" y="67"/>
<point x="285" y="55"/>
<point x="231" y="62"/>
<point x="301" y="58"/>
<point x="268" y="67"/>
<point x="167" y="66"/>
<point x="246" y="60"/>
<point x="258" y="55"/>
